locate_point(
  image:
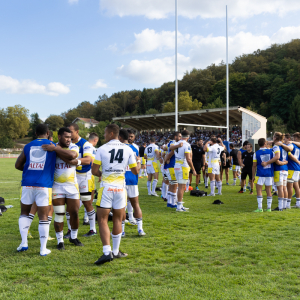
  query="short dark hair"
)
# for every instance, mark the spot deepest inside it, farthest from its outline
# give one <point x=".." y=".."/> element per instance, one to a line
<point x="114" y="128"/>
<point x="62" y="130"/>
<point x="41" y="129"/>
<point x="261" y="142"/>
<point x="176" y="133"/>
<point x="245" y="143"/>
<point x="287" y="135"/>
<point x="123" y="133"/>
<point x="152" y="140"/>
<point x="130" y="131"/>
<point x="93" y="135"/>
<point x="296" y="135"/>
<point x="75" y="126"/>
<point x="231" y="146"/>
<point x="250" y="145"/>
<point x="214" y="140"/>
<point x="185" y="133"/>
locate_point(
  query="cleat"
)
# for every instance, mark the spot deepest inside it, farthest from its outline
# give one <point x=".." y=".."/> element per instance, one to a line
<point x="126" y="221"/>
<point x="268" y="210"/>
<point x="141" y="232"/>
<point x="213" y="195"/>
<point x="288" y="207"/>
<point x="154" y="194"/>
<point x="251" y="193"/>
<point x="276" y="209"/>
<point x="140" y="177"/>
<point x="220" y="194"/>
<point x="90" y="233"/>
<point x="76" y="242"/>
<point x="123" y="234"/>
<point x="241" y="192"/>
<point x="119" y="255"/>
<point x="165" y="199"/>
<point x="294" y="196"/>
<point x="186" y="208"/>
<point x="227" y="183"/>
<point x="68" y="234"/>
<point x="86" y="223"/>
<point x="45" y="252"/>
<point x="181" y="210"/>
<point x="275" y="194"/>
<point x="50" y="238"/>
<point x="104" y="258"/>
<point x="258" y="210"/>
<point x="197" y="188"/>
<point x="149" y="194"/>
<point x="61" y="246"/>
<point x="22" y="248"/>
<point x="206" y="187"/>
<point x="132" y="222"/>
<point x="248" y="188"/>
<point x="234" y="184"/>
<point x="29" y="235"/>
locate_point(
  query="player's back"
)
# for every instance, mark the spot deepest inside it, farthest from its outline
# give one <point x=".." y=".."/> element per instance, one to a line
<point x="264" y="155"/>
<point x="180" y="153"/>
<point x="39" y="166"/>
<point x="130" y="178"/>
<point x="283" y="157"/>
<point x="141" y="151"/>
<point x="150" y="151"/>
<point x="234" y="155"/>
<point x="171" y="164"/>
<point x="292" y="165"/>
<point x="214" y="153"/>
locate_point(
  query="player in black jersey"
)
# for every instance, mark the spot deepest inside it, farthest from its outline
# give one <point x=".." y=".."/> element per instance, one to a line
<point x="143" y="160"/>
<point x="198" y="159"/>
<point x="225" y="165"/>
<point x="235" y="163"/>
<point x="247" y="163"/>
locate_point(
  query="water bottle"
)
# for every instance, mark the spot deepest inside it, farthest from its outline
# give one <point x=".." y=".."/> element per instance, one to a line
<point x="9" y="206"/>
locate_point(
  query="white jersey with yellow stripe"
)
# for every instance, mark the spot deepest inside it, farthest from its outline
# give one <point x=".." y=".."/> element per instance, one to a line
<point x="214" y="153"/>
<point x="65" y="174"/>
<point x="180" y="152"/>
<point x="114" y="157"/>
<point x="151" y="152"/>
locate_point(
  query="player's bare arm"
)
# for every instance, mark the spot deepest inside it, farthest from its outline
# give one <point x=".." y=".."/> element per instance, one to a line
<point x="274" y="159"/>
<point x="293" y="158"/>
<point x="254" y="168"/>
<point x="62" y="153"/>
<point x="169" y="155"/>
<point x="285" y="147"/>
<point x="173" y="147"/>
<point x="21" y="160"/>
<point x="96" y="170"/>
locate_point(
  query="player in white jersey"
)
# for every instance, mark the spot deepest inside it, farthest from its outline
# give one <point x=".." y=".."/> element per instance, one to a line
<point x="214" y="148"/>
<point x="183" y="160"/>
<point x="206" y="170"/>
<point x="165" y="182"/>
<point x="114" y="157"/>
<point x="152" y="156"/>
<point x="65" y="188"/>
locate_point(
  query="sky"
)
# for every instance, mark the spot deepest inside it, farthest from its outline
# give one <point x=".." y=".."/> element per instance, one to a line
<point x="55" y="54"/>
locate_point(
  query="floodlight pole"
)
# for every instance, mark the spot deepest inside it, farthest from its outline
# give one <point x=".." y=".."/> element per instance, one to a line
<point x="176" y="80"/>
<point x="227" y="79"/>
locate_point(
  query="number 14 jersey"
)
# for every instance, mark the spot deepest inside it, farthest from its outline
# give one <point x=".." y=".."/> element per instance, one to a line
<point x="114" y="157"/>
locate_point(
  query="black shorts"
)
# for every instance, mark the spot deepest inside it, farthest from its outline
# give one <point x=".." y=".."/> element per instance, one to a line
<point x="246" y="172"/>
<point x="197" y="166"/>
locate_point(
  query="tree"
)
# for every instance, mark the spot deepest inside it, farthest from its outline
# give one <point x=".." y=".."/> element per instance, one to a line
<point x="54" y="122"/>
<point x="293" y="123"/>
<point x="275" y="123"/>
<point x="34" y="122"/>
<point x="99" y="129"/>
<point x="70" y="116"/>
<point x="143" y="102"/>
<point x="85" y="110"/>
<point x="14" y="122"/>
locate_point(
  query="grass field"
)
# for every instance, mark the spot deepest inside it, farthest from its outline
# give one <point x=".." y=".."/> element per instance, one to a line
<point x="212" y="252"/>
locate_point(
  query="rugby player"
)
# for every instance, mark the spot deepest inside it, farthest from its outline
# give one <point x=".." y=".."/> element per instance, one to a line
<point x="114" y="157"/>
<point x="183" y="161"/>
<point x="65" y="188"/>
<point x="143" y="160"/>
<point x="84" y="177"/>
<point x="198" y="160"/>
<point x="131" y="180"/>
<point x="152" y="156"/>
<point x="225" y="165"/>
<point x="263" y="160"/>
<point x="169" y="170"/>
<point x="247" y="164"/>
<point x="38" y="168"/>
<point x="235" y="163"/>
<point x="165" y="183"/>
<point x="214" y="147"/>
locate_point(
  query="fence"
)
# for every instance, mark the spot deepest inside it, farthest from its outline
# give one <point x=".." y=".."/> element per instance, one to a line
<point x="8" y="155"/>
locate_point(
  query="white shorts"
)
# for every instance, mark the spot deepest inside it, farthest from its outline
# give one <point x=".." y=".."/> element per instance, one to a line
<point x="170" y="174"/>
<point x="86" y="182"/>
<point x="143" y="161"/>
<point x="182" y="174"/>
<point x="213" y="169"/>
<point x="293" y="176"/>
<point x="236" y="168"/>
<point x="65" y="191"/>
<point x="112" y="197"/>
<point x="42" y="196"/>
<point x="267" y="181"/>
<point x="280" y="178"/>
<point x="132" y="191"/>
<point x="162" y="168"/>
<point x="152" y="167"/>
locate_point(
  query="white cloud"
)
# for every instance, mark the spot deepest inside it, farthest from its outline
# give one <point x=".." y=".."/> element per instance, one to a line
<point x="112" y="48"/>
<point x="99" y="84"/>
<point x="73" y="1"/>
<point x="28" y="86"/>
<point x="204" y="51"/>
<point x="157" y="9"/>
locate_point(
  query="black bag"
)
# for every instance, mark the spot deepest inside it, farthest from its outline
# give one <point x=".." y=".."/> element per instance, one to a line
<point x="158" y="189"/>
<point x="197" y="193"/>
<point x="3" y="208"/>
<point x="218" y="202"/>
<point x="2" y="200"/>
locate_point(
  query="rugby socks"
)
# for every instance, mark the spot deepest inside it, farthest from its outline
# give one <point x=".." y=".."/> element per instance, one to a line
<point x="239" y="177"/>
<point x="173" y="197"/>
<point x="234" y="180"/>
<point x="297" y="202"/>
<point x="288" y="203"/>
<point x="149" y="187"/>
<point x="166" y="190"/>
<point x="130" y="210"/>
<point x="269" y="202"/>
<point x="280" y="203"/>
<point x="92" y="219"/>
<point x="206" y="181"/>
<point x="116" y="243"/>
<point x="259" y="201"/>
<point x="60" y="237"/>
<point x="154" y="184"/>
<point x="179" y="205"/>
<point x="49" y="220"/>
<point x="139" y="222"/>
<point x="44" y="233"/>
<point x="169" y="200"/>
<point x="284" y="203"/>
<point x="74" y="233"/>
<point x="163" y="190"/>
<point x="220" y="186"/>
<point x="187" y="185"/>
<point x="85" y="218"/>
<point x="123" y="226"/>
<point x="68" y="220"/>
<point x="24" y="224"/>
<point x="212" y="186"/>
<point x="31" y="216"/>
<point x="106" y="249"/>
<point x="141" y="171"/>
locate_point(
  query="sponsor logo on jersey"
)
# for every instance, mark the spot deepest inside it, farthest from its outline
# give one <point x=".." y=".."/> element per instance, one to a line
<point x="115" y="190"/>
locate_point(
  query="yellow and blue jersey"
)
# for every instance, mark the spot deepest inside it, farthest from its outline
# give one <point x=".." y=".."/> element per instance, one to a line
<point x="171" y="164"/>
<point x="85" y="149"/>
<point x="263" y="155"/>
<point x="283" y="157"/>
<point x="292" y="165"/>
<point x="130" y="178"/>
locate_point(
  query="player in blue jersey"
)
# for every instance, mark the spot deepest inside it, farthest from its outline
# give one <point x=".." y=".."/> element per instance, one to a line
<point x="131" y="181"/>
<point x="263" y="160"/>
<point x="38" y="168"/>
<point x="84" y="177"/>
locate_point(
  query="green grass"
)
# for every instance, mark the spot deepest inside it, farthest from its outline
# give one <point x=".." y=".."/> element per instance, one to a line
<point x="212" y="252"/>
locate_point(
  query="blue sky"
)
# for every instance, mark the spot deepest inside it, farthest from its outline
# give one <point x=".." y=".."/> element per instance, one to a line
<point x="55" y="54"/>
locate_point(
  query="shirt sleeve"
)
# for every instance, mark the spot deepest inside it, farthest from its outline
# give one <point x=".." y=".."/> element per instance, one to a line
<point x="254" y="157"/>
<point x="87" y="150"/>
<point x="97" y="160"/>
<point x="209" y="148"/>
<point x="187" y="149"/>
<point x="74" y="148"/>
<point x="131" y="160"/>
<point x="276" y="149"/>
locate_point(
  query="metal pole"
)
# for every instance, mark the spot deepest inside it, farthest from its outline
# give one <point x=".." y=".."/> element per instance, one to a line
<point x="176" y="80"/>
<point x="227" y="79"/>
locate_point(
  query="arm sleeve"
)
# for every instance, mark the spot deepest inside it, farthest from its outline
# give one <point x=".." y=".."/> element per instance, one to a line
<point x="131" y="160"/>
<point x="276" y="149"/>
<point x="254" y="157"/>
<point x="187" y="149"/>
<point x="87" y="150"/>
<point x="97" y="160"/>
<point x="75" y="148"/>
<point x="209" y="148"/>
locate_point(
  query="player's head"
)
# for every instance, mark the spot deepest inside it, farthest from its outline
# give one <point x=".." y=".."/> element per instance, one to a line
<point x="93" y="138"/>
<point x="277" y="137"/>
<point x="177" y="136"/>
<point x="231" y="146"/>
<point x="152" y="140"/>
<point x="262" y="142"/>
<point x="167" y="141"/>
<point x="123" y="136"/>
<point x="200" y="142"/>
<point x="287" y="138"/>
<point x="74" y="131"/>
<point x="50" y="136"/>
<point x="245" y="144"/>
<point x="296" y="136"/>
<point x="185" y="134"/>
<point x="111" y="132"/>
<point x="64" y="137"/>
<point x="131" y="136"/>
<point x="214" y="140"/>
<point x="145" y="144"/>
<point x="42" y="130"/>
<point x="249" y="147"/>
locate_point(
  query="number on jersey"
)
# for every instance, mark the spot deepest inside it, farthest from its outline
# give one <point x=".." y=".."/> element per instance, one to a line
<point x="118" y="157"/>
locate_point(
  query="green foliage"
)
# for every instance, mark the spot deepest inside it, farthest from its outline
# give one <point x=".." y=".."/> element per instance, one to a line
<point x="185" y="103"/>
<point x="83" y="131"/>
<point x="152" y="111"/>
<point x="293" y="123"/>
<point x="55" y="137"/>
<point x="6" y="142"/>
<point x="34" y="122"/>
<point x="275" y="124"/>
<point x="99" y="129"/>
<point x="216" y="104"/>
<point x="54" y="122"/>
